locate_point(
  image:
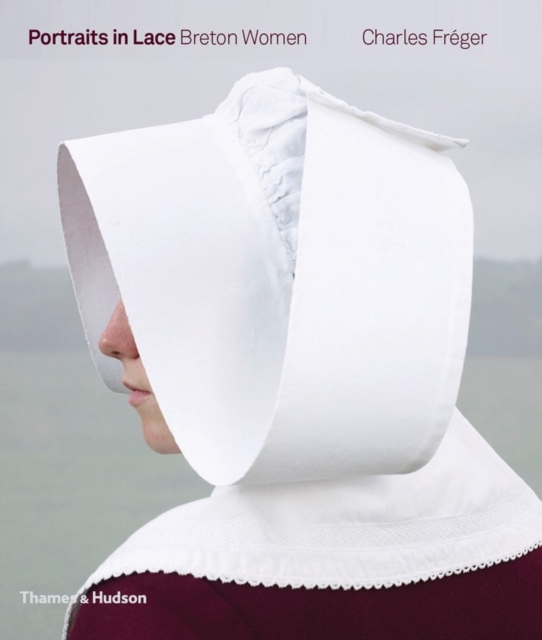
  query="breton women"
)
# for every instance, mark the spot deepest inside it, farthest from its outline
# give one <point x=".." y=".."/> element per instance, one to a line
<point x="284" y="286"/>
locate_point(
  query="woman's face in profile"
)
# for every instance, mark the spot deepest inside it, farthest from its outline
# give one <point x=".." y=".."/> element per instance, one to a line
<point x="117" y="341"/>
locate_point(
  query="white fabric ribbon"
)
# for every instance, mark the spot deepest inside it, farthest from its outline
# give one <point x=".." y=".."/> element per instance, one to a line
<point x="355" y="368"/>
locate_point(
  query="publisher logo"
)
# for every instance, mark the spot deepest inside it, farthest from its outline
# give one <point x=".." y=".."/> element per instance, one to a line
<point x="97" y="597"/>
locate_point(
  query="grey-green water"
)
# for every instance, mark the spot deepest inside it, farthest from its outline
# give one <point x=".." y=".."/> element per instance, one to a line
<point x="77" y="478"/>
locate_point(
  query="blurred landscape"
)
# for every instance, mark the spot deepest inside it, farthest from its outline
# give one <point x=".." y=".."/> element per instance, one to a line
<point x="38" y="309"/>
<point x="77" y="478"/>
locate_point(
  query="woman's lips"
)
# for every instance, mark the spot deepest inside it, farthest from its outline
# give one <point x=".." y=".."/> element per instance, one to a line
<point x="137" y="396"/>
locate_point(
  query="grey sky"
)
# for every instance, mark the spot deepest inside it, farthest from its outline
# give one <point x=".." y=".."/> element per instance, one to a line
<point x="491" y="94"/>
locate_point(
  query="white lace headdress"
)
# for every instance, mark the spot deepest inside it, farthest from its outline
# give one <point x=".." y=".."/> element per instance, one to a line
<point x="354" y="367"/>
<point x="321" y="405"/>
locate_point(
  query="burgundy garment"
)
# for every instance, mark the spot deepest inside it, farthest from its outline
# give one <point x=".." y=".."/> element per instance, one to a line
<point x="502" y="602"/>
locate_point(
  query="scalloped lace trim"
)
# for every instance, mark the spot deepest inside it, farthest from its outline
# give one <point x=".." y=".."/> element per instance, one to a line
<point x="326" y="584"/>
<point x="297" y="584"/>
<point x="503" y="523"/>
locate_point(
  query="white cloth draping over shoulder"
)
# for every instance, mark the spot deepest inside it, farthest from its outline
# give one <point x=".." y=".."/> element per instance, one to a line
<point x="297" y="276"/>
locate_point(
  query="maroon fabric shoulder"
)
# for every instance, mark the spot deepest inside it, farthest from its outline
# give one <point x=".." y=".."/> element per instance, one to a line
<point x="502" y="602"/>
<point x="175" y="606"/>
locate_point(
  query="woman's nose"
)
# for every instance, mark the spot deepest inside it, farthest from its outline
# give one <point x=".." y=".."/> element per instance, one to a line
<point x="117" y="340"/>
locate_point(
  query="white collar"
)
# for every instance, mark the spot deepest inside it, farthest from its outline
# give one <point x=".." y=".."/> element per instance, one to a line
<point x="465" y="510"/>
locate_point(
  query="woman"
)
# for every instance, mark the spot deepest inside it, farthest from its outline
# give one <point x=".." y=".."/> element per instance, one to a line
<point x="294" y="275"/>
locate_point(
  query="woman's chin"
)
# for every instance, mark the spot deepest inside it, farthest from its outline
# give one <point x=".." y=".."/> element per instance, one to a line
<point x="159" y="438"/>
<point x="155" y="430"/>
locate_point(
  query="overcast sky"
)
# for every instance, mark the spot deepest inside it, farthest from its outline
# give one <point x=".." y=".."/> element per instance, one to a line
<point x="491" y="94"/>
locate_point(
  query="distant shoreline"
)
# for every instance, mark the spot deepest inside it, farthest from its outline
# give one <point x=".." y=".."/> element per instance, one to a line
<point x="39" y="311"/>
